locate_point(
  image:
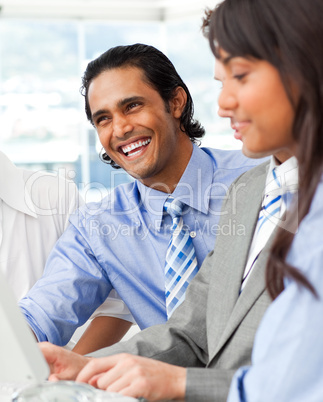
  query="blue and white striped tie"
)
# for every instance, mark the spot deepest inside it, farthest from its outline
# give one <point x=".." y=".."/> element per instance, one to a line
<point x="181" y="264"/>
<point x="269" y="217"/>
<point x="270" y="210"/>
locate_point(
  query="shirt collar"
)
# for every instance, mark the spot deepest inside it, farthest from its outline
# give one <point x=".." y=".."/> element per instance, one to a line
<point x="287" y="174"/>
<point x="193" y="188"/>
<point x="12" y="187"/>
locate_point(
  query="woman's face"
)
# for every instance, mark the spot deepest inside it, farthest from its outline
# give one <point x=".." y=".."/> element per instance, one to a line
<point x="254" y="98"/>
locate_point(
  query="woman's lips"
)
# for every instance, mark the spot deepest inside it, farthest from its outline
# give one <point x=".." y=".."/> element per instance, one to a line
<point x="238" y="127"/>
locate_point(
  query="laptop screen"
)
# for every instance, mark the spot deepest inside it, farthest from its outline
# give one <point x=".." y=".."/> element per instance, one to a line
<point x="20" y="356"/>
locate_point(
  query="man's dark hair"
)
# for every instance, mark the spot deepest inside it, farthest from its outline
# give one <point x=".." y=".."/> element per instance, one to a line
<point x="160" y="74"/>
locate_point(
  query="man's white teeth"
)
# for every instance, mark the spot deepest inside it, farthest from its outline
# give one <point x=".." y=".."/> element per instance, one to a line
<point x="135" y="145"/>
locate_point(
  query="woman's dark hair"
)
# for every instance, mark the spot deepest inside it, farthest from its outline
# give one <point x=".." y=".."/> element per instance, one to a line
<point x="159" y="73"/>
<point x="287" y="34"/>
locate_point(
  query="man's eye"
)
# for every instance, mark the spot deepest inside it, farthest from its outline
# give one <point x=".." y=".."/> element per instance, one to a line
<point x="132" y="105"/>
<point x="102" y="120"/>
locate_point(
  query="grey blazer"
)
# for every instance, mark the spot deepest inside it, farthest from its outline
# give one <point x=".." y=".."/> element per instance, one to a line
<point x="212" y="332"/>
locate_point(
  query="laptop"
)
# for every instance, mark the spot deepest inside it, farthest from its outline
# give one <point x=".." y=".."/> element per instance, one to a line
<point x="20" y="356"/>
<point x="22" y="363"/>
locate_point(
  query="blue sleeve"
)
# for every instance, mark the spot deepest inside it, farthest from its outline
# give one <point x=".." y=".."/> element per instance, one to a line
<point x="288" y="350"/>
<point x="72" y="287"/>
<point x="237" y="388"/>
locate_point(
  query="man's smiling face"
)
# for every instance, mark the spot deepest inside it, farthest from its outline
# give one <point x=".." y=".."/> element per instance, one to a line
<point x="135" y="127"/>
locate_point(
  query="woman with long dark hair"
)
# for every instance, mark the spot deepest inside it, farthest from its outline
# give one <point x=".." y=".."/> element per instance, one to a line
<point x="271" y="56"/>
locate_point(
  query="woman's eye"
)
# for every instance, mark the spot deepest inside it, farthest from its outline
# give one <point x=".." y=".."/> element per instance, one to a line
<point x="239" y="77"/>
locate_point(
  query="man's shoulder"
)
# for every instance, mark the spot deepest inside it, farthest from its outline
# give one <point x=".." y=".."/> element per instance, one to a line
<point x="231" y="159"/>
<point x="120" y="200"/>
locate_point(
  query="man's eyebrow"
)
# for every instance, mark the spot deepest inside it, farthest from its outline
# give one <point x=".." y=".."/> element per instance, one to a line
<point x="126" y="101"/>
<point x="98" y="113"/>
<point x="120" y="104"/>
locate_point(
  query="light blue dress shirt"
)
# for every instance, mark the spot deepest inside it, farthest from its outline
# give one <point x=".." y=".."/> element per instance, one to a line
<point x="121" y="244"/>
<point x="287" y="359"/>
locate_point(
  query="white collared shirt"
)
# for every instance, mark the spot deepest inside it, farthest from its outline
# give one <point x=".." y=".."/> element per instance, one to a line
<point x="34" y="212"/>
<point x="287" y="175"/>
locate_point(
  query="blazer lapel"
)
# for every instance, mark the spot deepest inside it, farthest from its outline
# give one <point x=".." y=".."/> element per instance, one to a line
<point x="254" y="288"/>
<point x="227" y="273"/>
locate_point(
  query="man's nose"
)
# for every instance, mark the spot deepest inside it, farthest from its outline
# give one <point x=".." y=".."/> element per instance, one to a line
<point x="121" y="125"/>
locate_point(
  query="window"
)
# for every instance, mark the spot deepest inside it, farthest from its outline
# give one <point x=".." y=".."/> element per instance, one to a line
<point x="43" y="124"/>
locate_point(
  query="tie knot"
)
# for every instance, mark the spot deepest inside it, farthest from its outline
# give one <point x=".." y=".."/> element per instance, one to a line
<point x="273" y="187"/>
<point x="277" y="181"/>
<point x="173" y="207"/>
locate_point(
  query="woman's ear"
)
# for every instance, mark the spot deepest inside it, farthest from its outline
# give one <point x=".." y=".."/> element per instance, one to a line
<point x="178" y="102"/>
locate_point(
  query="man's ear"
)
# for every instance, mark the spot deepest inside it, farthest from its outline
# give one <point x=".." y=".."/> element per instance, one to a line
<point x="178" y="102"/>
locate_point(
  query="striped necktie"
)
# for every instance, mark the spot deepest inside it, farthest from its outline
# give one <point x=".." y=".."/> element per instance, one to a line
<point x="181" y="264"/>
<point x="269" y="217"/>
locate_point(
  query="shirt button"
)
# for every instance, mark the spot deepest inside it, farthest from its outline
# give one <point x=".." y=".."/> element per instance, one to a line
<point x="192" y="235"/>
